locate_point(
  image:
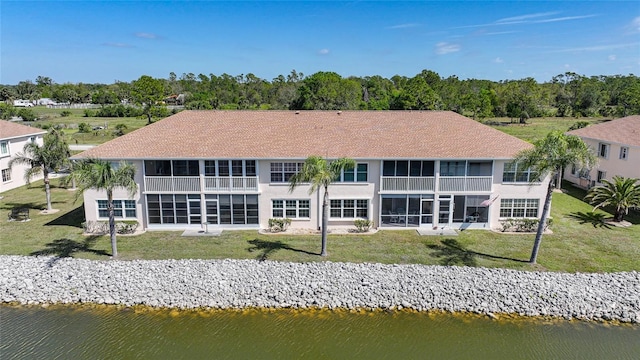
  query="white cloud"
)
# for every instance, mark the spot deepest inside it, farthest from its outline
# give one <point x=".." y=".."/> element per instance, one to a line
<point x="403" y="26"/>
<point x="323" y="51"/>
<point x="600" y="47"/>
<point x="498" y="60"/>
<point x="611" y="57"/>
<point x="118" y="45"/>
<point x="145" y="35"/>
<point x="443" y="48"/>
<point x="566" y="18"/>
<point x="525" y="17"/>
<point x="634" y="26"/>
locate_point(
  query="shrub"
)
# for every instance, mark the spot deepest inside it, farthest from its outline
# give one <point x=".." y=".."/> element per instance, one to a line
<point x="119" y="129"/>
<point x="362" y="225"/>
<point x="65" y="113"/>
<point x="88" y="113"/>
<point x="102" y="227"/>
<point x="522" y="224"/>
<point x="26" y="114"/>
<point x="84" y="127"/>
<point x="6" y="111"/>
<point x="279" y="224"/>
<point x="126" y="227"/>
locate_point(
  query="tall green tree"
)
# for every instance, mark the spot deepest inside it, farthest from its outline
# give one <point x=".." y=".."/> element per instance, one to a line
<point x="102" y="175"/>
<point x="319" y="173"/>
<point x="51" y="156"/>
<point x="148" y="93"/>
<point x="549" y="157"/>
<point x="621" y="193"/>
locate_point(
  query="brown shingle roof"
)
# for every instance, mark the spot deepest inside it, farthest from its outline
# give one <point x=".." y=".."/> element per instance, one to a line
<point x="9" y="130"/>
<point x="625" y="130"/>
<point x="297" y="135"/>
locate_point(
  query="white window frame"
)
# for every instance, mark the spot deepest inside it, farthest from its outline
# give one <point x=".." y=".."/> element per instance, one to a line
<point x="285" y="169"/>
<point x="291" y="208"/>
<point x="602" y="175"/>
<point x="603" y="150"/>
<point x="517" y="174"/>
<point x="357" y="205"/>
<point x="529" y="208"/>
<point x="624" y="152"/>
<point x="124" y="206"/>
<point x="6" y="175"/>
<point x="354" y="172"/>
<point x="4" y="149"/>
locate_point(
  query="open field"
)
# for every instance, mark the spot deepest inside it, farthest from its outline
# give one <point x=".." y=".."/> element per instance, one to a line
<point x="536" y="128"/>
<point x="579" y="243"/>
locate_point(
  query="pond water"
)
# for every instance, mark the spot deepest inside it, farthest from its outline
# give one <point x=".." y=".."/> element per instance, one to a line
<point x="109" y="332"/>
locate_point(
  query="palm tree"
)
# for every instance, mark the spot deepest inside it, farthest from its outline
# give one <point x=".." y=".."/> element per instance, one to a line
<point x="621" y="193"/>
<point x="101" y="175"/>
<point x="319" y="173"/>
<point x="51" y="156"/>
<point x="547" y="158"/>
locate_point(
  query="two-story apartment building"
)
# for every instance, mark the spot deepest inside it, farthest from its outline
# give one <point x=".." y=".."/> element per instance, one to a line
<point x="617" y="146"/>
<point x="231" y="169"/>
<point x="13" y="137"/>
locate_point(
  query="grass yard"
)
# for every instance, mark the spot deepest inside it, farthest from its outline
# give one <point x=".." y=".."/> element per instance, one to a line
<point x="536" y="128"/>
<point x="579" y="243"/>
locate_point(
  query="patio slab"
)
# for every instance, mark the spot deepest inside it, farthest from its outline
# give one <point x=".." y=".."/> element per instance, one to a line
<point x="440" y="232"/>
<point x="211" y="232"/>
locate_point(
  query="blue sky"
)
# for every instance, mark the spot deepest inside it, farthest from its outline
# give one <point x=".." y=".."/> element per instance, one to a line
<point x="108" y="41"/>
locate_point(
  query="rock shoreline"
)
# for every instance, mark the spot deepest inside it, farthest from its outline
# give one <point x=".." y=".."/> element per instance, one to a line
<point x="227" y="284"/>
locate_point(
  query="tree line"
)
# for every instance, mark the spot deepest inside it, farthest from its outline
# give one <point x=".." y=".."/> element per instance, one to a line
<point x="565" y="95"/>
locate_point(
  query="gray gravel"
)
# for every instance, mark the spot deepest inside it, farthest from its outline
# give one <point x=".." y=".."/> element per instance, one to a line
<point x="249" y="283"/>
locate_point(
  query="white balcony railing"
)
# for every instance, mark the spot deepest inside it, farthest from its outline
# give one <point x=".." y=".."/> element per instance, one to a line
<point x="178" y="184"/>
<point x="172" y="183"/>
<point x="248" y="183"/>
<point x="413" y="183"/>
<point x="465" y="183"/>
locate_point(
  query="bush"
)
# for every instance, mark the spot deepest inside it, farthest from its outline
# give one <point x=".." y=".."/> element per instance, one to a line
<point x="65" y="113"/>
<point x="118" y="111"/>
<point x="88" y="113"/>
<point x="84" y="127"/>
<point x="102" y="227"/>
<point x="522" y="225"/>
<point x="26" y="114"/>
<point x="279" y="224"/>
<point x="362" y="225"/>
<point x="119" y="130"/>
<point x="6" y="111"/>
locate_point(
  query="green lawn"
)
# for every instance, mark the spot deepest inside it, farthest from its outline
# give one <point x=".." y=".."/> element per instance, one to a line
<point x="578" y="243"/>
<point x="536" y="128"/>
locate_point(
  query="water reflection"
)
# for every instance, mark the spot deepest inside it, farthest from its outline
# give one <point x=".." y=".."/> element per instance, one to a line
<point x="84" y="332"/>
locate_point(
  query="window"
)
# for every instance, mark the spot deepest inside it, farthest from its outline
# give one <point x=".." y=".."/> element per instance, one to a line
<point x="282" y="172"/>
<point x="129" y="207"/>
<point x="235" y="168"/>
<point x="518" y="208"/>
<point x="157" y="168"/>
<point x="185" y="168"/>
<point x="601" y="175"/>
<point x="603" y="150"/>
<point x="292" y="209"/>
<point x="349" y="209"/>
<point x="513" y="172"/>
<point x="624" y="152"/>
<point x="4" y="148"/>
<point x="357" y="174"/>
<point x="452" y="168"/>
<point x="6" y="175"/>
<point x="408" y="168"/>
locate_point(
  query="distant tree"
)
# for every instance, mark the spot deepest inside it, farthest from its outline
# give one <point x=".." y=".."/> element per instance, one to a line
<point x="328" y="91"/>
<point x="416" y="95"/>
<point x="7" y="94"/>
<point x="319" y="173"/>
<point x="549" y="157"/>
<point x="51" y="156"/>
<point x="622" y="194"/>
<point x="26" y="114"/>
<point x="101" y="175"/>
<point x="148" y="93"/>
<point x="26" y="90"/>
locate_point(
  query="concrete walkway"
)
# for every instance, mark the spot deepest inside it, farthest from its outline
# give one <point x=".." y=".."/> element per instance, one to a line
<point x="81" y="147"/>
<point x="425" y="231"/>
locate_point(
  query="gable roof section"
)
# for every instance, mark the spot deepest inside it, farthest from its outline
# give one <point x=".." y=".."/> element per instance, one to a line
<point x="297" y="135"/>
<point x="625" y="130"/>
<point x="10" y="130"/>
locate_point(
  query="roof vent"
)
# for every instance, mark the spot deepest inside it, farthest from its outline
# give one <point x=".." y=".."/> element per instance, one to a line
<point x="339" y="112"/>
<point x="297" y="112"/>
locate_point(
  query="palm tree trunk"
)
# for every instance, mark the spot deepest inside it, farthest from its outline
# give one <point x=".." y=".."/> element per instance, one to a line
<point x="325" y="221"/>
<point x="47" y="189"/>
<point x="112" y="224"/>
<point x="619" y="215"/>
<point x="541" y="224"/>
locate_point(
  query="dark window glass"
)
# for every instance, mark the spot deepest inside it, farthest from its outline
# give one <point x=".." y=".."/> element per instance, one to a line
<point x="223" y="167"/>
<point x="250" y="167"/>
<point x="389" y="168"/>
<point x="428" y="168"/>
<point x="157" y="168"/>
<point x="402" y="168"/>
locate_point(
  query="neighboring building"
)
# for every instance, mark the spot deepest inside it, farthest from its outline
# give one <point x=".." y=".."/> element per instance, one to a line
<point x="617" y="146"/>
<point x="13" y="137"/>
<point x="231" y="169"/>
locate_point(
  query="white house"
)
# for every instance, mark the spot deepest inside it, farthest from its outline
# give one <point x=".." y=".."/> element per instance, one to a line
<point x="231" y="169"/>
<point x="617" y="145"/>
<point x="13" y="137"/>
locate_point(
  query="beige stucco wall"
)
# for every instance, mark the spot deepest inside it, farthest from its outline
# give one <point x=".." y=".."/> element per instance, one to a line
<point x="16" y="145"/>
<point x="612" y="165"/>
